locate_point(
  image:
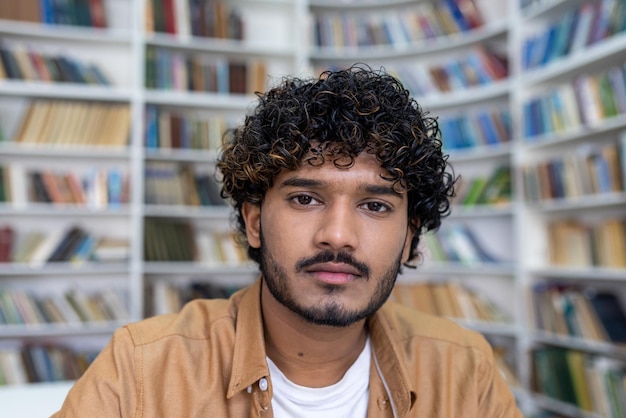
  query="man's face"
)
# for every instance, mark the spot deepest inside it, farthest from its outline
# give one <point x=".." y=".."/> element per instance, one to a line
<point x="332" y="240"/>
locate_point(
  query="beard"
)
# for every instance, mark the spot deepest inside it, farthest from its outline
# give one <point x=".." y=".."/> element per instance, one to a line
<point x="330" y="312"/>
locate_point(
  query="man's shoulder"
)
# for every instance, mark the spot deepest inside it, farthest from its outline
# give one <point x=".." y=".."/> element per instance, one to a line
<point x="410" y="324"/>
<point x="197" y="320"/>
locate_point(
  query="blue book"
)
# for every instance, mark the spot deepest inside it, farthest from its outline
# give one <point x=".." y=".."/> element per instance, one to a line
<point x="457" y="15"/>
<point x="115" y="187"/>
<point x="602" y="173"/>
<point x="529" y="130"/>
<point x="152" y="127"/>
<point x="551" y="35"/>
<point x="489" y="131"/>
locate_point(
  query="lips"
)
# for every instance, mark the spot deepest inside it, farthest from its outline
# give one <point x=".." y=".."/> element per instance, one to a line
<point x="334" y="273"/>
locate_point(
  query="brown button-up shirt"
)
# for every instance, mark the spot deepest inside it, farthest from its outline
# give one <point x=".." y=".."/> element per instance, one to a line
<point x="209" y="361"/>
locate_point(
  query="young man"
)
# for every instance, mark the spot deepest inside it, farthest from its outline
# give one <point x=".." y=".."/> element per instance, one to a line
<point x="333" y="181"/>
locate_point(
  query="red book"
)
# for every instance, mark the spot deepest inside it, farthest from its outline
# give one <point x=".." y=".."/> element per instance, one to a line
<point x="170" y="18"/>
<point x="97" y="14"/>
<point x="7" y="236"/>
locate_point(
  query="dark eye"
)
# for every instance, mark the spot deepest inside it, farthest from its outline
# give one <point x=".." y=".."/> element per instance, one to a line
<point x="304" y="200"/>
<point x="376" y="207"/>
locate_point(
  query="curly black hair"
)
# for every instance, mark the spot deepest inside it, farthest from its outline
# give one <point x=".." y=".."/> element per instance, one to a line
<point x="336" y="117"/>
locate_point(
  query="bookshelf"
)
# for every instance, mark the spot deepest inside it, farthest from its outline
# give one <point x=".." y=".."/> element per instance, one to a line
<point x="504" y="106"/>
<point x="459" y="69"/>
<point x="524" y="123"/>
<point x="564" y="270"/>
<point x="109" y="114"/>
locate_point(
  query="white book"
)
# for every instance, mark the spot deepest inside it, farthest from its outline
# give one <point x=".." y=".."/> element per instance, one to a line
<point x="183" y="18"/>
<point x="45" y="249"/>
<point x="12" y="366"/>
<point x="17" y="184"/>
<point x="66" y="309"/>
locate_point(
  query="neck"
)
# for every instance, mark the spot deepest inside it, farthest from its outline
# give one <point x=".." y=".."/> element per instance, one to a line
<point x="309" y="355"/>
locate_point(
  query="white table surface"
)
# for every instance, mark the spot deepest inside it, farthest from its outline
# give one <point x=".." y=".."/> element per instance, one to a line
<point x="35" y="400"/>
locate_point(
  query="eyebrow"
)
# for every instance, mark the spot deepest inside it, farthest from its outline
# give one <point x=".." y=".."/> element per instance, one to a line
<point x="374" y="189"/>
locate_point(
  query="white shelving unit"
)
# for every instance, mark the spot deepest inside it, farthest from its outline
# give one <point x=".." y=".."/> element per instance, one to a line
<point x="120" y="51"/>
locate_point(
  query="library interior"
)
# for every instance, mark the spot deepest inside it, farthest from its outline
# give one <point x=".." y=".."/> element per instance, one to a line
<point x="111" y="119"/>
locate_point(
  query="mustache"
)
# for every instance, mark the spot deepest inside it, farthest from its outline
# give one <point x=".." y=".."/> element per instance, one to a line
<point x="331" y="257"/>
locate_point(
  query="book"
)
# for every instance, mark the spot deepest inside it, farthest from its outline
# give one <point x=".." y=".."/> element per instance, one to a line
<point x="68" y="245"/>
<point x="7" y="243"/>
<point x="610" y="312"/>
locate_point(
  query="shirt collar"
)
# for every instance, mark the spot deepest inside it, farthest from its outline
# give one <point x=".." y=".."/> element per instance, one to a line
<point x="390" y="361"/>
<point x="249" y="364"/>
<point x="249" y="358"/>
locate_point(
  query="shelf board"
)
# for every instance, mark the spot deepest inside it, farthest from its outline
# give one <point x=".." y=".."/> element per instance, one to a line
<point x="568" y="409"/>
<point x="229" y="47"/>
<point x="491" y="328"/>
<point x="355" y="4"/>
<point x="199" y="99"/>
<point x="604" y="348"/>
<point x="183" y="155"/>
<point x="197" y="268"/>
<point x="181" y="211"/>
<point x="74" y="91"/>
<point x="554" y="139"/>
<point x="481" y="211"/>
<point x="58" y="330"/>
<point x="455" y="269"/>
<point x="575" y="61"/>
<point x="60" y="210"/>
<point x="64" y="151"/>
<point x="54" y="269"/>
<point x="544" y="8"/>
<point x="605" y="200"/>
<point x="480" y="153"/>
<point x="580" y="273"/>
<point x="472" y="95"/>
<point x="410" y="50"/>
<point x="68" y="33"/>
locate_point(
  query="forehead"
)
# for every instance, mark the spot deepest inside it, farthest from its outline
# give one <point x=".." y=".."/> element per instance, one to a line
<point x="365" y="169"/>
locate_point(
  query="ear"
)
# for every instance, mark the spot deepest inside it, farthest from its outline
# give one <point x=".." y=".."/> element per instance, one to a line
<point x="252" y="216"/>
<point x="410" y="234"/>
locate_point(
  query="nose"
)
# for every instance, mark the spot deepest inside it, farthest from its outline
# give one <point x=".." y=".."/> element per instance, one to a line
<point x="338" y="228"/>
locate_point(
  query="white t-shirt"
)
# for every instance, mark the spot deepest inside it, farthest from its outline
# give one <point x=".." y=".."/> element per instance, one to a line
<point x="346" y="398"/>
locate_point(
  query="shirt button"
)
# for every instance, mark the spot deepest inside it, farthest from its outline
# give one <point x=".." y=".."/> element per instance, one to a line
<point x="263" y="384"/>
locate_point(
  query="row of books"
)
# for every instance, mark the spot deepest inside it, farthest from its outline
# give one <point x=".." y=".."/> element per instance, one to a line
<point x="201" y="18"/>
<point x="582" y="244"/>
<point x="576" y="29"/>
<point x="475" y="68"/>
<point x="43" y="363"/>
<point x="184" y="129"/>
<point x="427" y="20"/>
<point x="457" y="243"/>
<point x="486" y="127"/>
<point x="71" y="245"/>
<point x="579" y="312"/>
<point x="593" y="384"/>
<point x="171" y="183"/>
<point x="22" y="307"/>
<point x="173" y="240"/>
<point x="74" y="123"/>
<point x="97" y="188"/>
<point x="184" y="71"/>
<point x="19" y="62"/>
<point x="588" y="170"/>
<point x="450" y="299"/>
<point x="67" y="12"/>
<point x="589" y="99"/>
<point x="493" y="189"/>
<point x="169" y="297"/>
